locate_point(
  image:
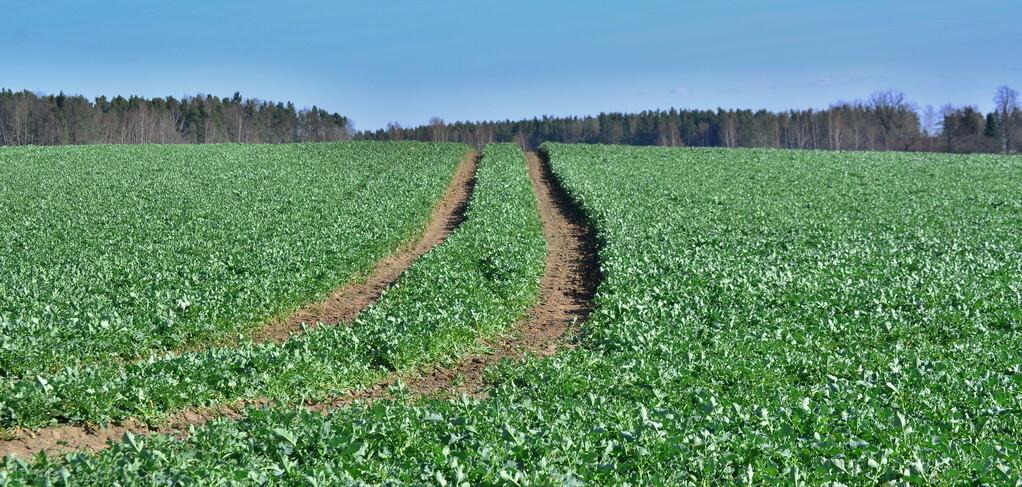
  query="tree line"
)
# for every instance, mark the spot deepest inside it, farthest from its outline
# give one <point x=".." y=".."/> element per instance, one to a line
<point x="884" y="121"/>
<point x="27" y="118"/>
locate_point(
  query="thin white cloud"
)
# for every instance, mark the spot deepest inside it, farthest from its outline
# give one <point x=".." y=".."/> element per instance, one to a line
<point x="679" y="90"/>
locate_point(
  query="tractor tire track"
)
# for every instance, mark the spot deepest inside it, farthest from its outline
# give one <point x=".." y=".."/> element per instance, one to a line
<point x="566" y="289"/>
<point x="570" y="278"/>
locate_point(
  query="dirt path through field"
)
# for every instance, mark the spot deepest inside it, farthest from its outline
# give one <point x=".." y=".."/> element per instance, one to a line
<point x="344" y="304"/>
<point x="567" y="287"/>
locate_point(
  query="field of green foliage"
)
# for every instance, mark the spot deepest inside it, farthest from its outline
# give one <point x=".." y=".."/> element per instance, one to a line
<point x="767" y="317"/>
<point x="477" y="283"/>
<point x="113" y="253"/>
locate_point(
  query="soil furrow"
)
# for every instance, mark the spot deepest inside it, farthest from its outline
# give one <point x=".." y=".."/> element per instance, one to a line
<point x="571" y="276"/>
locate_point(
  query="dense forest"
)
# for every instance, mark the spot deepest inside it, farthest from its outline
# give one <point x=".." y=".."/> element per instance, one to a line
<point x="27" y="118"/>
<point x="886" y="121"/>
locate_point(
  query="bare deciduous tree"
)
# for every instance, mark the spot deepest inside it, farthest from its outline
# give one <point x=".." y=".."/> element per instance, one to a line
<point x="438" y="129"/>
<point x="890" y="109"/>
<point x="728" y="129"/>
<point x="1006" y="104"/>
<point x="395" y="131"/>
<point x="930" y="121"/>
<point x="834" y="126"/>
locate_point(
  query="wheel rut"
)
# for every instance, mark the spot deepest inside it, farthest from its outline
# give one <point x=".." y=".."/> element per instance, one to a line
<point x="570" y="278"/>
<point x="567" y="286"/>
<point x="566" y="290"/>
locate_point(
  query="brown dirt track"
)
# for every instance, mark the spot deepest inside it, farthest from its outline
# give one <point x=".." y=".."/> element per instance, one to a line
<point x="570" y="278"/>
<point x="566" y="289"/>
<point x="567" y="286"/>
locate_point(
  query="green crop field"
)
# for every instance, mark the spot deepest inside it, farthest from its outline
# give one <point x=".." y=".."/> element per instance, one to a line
<point x="765" y="317"/>
<point x="112" y="253"/>
<point x="477" y="283"/>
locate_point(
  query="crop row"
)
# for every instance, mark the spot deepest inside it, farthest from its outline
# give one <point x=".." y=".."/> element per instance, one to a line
<point x="114" y="253"/>
<point x="478" y="282"/>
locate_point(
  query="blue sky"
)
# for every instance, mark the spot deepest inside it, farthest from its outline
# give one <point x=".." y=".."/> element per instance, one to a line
<point x="406" y="61"/>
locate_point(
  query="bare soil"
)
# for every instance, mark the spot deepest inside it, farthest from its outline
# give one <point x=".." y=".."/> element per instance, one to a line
<point x="567" y="287"/>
